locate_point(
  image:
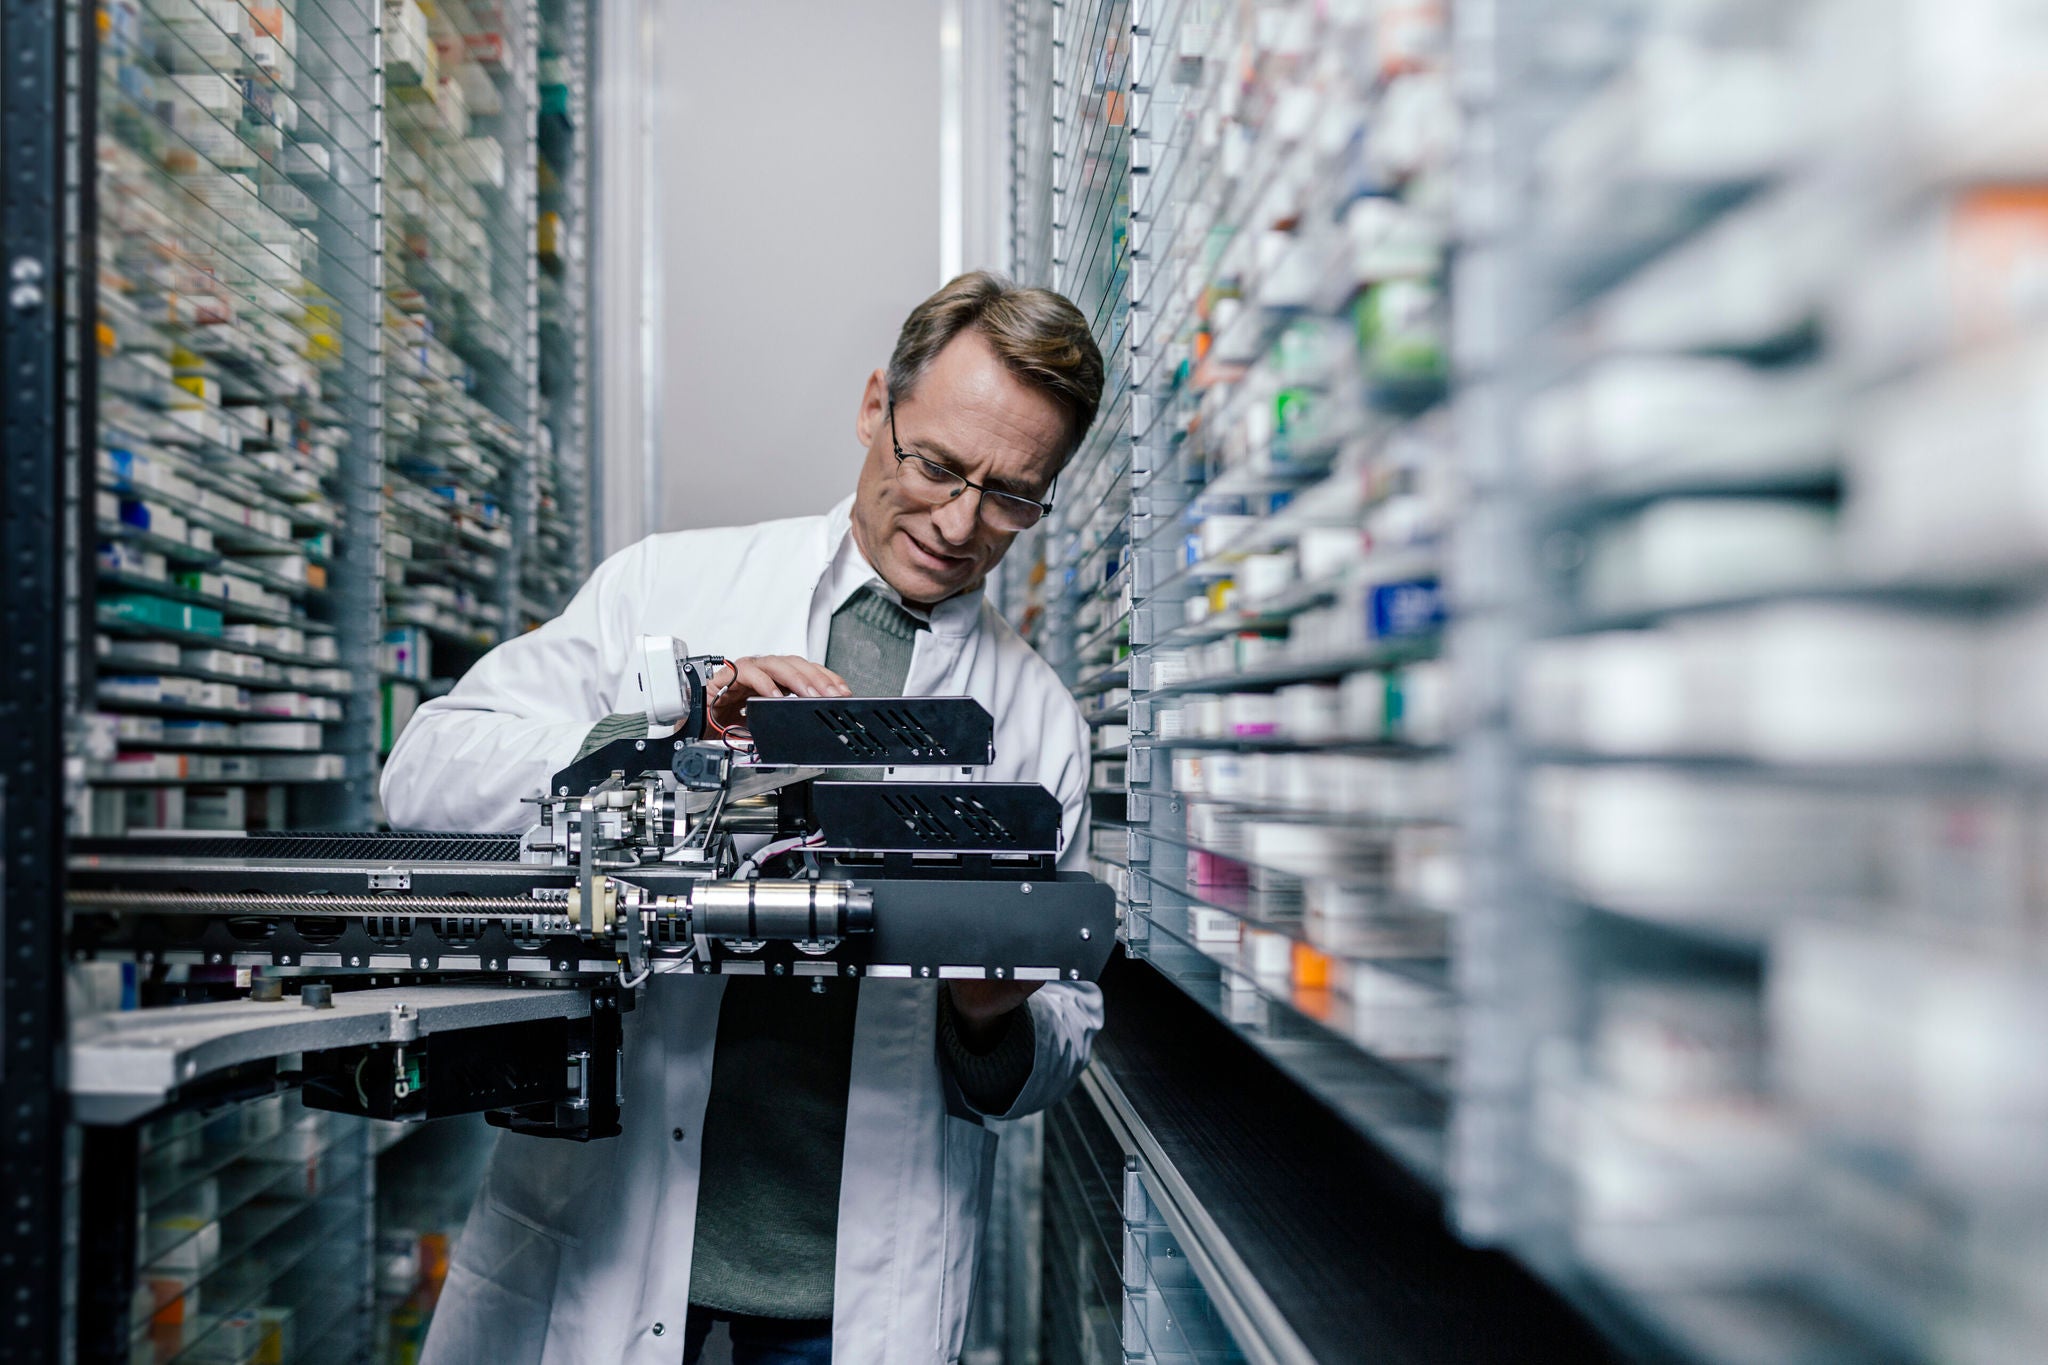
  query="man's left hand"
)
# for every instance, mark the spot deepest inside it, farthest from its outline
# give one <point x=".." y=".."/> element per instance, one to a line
<point x="979" y="1006"/>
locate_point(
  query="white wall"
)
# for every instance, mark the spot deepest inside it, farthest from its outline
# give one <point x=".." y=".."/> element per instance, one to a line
<point x="797" y="158"/>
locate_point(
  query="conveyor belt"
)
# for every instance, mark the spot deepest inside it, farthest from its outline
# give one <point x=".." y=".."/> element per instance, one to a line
<point x="1351" y="1251"/>
<point x="397" y="846"/>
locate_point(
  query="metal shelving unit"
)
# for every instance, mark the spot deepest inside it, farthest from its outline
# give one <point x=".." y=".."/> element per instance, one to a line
<point x="255" y="1236"/>
<point x="1767" y="730"/>
<point x="237" y="160"/>
<point x="460" y="334"/>
<point x="1243" y="581"/>
<point x="296" y="433"/>
<point x="323" y="485"/>
<point x="1556" y="598"/>
<point x="558" y="555"/>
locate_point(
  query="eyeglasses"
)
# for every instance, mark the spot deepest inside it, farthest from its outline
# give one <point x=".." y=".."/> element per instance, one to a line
<point x="934" y="484"/>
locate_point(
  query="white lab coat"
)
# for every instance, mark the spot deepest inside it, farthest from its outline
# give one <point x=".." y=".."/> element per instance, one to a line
<point x="581" y="1252"/>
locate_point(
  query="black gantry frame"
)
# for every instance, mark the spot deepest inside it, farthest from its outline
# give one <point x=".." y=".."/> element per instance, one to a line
<point x="41" y="130"/>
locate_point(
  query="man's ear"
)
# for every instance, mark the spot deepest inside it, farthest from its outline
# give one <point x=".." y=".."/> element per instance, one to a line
<point x="874" y="409"/>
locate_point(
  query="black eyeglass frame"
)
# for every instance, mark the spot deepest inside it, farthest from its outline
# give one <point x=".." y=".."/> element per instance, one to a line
<point x="896" y="444"/>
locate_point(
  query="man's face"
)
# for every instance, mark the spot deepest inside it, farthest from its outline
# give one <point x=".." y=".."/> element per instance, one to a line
<point x="973" y="416"/>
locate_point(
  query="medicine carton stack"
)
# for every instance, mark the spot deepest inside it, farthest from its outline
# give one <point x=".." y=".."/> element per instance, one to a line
<point x="552" y="573"/>
<point x="1774" y="346"/>
<point x="1555" y="590"/>
<point x="219" y="436"/>
<point x="458" y="325"/>
<point x="251" y="1249"/>
<point x="1245" y="577"/>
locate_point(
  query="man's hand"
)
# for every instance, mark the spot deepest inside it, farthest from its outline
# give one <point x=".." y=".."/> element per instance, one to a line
<point x="979" y="1006"/>
<point x="769" y="675"/>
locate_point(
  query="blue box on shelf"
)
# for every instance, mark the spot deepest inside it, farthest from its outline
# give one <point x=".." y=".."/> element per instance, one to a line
<point x="1400" y="611"/>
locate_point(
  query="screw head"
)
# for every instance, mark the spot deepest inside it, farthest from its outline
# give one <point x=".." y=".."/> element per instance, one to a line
<point x="1025" y="888"/>
<point x="639" y="744"/>
<point x="26" y="270"/>
<point x="1086" y="935"/>
<point x="25" y="297"/>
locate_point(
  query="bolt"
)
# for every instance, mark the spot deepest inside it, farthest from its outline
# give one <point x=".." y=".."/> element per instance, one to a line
<point x="1085" y="936"/>
<point x="1073" y="974"/>
<point x="1026" y="888"/>
<point x="25" y="297"/>
<point x="267" y="988"/>
<point x="639" y="744"/>
<point x="659" y="1329"/>
<point x="26" y="270"/>
<point x="317" y="995"/>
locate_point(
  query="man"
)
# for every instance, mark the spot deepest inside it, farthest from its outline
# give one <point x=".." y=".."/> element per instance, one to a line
<point x="803" y="1160"/>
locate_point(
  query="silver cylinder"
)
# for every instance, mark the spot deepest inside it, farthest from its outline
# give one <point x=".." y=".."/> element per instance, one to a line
<point x="752" y="815"/>
<point x="790" y="910"/>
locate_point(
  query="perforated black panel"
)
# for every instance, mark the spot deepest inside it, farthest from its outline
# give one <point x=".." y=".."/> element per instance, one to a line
<point x="937" y="817"/>
<point x="833" y="732"/>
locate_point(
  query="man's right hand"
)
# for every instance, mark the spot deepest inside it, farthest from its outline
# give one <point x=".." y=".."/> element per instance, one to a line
<point x="769" y="675"/>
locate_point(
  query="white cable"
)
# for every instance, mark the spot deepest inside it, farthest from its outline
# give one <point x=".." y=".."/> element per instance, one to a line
<point x="774" y="850"/>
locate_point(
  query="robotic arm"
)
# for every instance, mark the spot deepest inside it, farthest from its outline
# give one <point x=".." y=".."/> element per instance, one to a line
<point x="633" y="867"/>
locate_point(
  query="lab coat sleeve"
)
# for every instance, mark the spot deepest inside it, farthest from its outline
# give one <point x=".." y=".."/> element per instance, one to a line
<point x="1065" y="1016"/>
<point x="519" y="715"/>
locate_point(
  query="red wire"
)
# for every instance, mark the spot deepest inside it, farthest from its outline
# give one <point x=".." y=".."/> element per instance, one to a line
<point x="727" y="733"/>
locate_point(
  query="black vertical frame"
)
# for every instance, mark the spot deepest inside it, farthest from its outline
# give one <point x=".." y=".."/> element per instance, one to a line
<point x="34" y="125"/>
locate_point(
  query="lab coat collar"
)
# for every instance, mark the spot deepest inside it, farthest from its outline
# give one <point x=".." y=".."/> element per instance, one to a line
<point x="848" y="571"/>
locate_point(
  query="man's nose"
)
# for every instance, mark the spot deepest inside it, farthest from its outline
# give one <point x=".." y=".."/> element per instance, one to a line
<point x="955" y="518"/>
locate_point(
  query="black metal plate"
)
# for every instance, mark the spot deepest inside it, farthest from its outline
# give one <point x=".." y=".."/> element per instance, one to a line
<point x="936" y="817"/>
<point x="628" y="756"/>
<point x="839" y="732"/>
<point x="1061" y="927"/>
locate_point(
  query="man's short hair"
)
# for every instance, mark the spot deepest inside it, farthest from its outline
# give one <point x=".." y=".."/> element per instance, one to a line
<point x="1040" y="337"/>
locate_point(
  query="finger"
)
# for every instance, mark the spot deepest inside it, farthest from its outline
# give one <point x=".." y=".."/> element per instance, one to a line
<point x="756" y="680"/>
<point x="802" y="677"/>
<point x="827" y="683"/>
